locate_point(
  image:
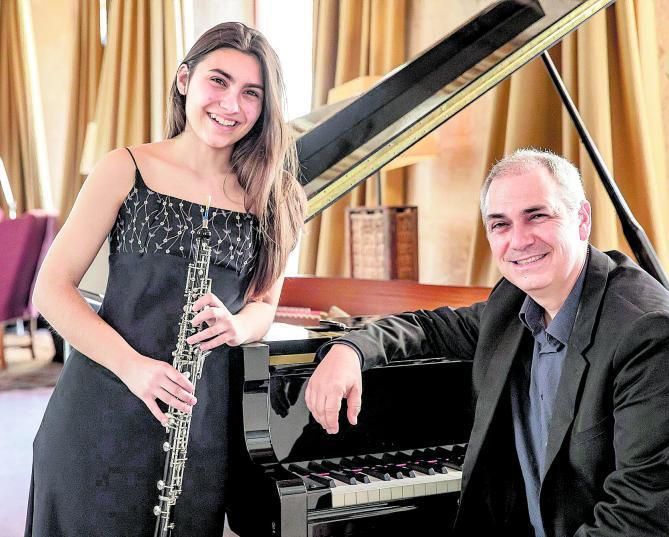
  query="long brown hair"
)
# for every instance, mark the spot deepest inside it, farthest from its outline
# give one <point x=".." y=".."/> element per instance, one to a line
<point x="265" y="160"/>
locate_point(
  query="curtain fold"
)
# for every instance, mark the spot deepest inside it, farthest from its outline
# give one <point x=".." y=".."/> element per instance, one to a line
<point x="83" y="92"/>
<point x="139" y="61"/>
<point x="610" y="67"/>
<point x="352" y="38"/>
<point x="18" y="136"/>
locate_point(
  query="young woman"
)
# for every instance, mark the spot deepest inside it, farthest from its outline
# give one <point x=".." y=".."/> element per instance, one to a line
<point x="97" y="454"/>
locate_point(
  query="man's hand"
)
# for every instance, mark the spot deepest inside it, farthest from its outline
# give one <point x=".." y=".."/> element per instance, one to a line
<point x="337" y="377"/>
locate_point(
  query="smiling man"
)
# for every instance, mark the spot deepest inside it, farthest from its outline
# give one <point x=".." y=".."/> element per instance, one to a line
<point x="570" y="353"/>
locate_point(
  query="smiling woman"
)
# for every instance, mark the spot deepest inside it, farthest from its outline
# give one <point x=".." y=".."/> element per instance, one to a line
<point x="103" y="427"/>
<point x="232" y="105"/>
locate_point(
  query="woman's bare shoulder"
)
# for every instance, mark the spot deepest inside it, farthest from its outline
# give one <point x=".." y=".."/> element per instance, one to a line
<point x="153" y="151"/>
<point x="114" y="173"/>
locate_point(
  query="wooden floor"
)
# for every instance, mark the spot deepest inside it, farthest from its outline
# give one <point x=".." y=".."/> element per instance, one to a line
<point x="20" y="415"/>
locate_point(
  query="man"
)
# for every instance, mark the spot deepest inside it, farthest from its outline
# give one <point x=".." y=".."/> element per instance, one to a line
<point x="570" y="369"/>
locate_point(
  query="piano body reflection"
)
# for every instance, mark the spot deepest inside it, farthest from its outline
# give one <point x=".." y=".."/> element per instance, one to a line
<point x="398" y="468"/>
<point x="397" y="471"/>
<point x="367" y="479"/>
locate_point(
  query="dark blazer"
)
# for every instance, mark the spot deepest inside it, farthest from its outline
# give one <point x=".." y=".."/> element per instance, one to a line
<point x="607" y="460"/>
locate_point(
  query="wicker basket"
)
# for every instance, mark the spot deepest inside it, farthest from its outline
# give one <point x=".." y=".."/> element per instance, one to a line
<point x="383" y="242"/>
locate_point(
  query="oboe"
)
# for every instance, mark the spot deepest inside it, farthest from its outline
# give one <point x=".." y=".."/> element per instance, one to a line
<point x="188" y="359"/>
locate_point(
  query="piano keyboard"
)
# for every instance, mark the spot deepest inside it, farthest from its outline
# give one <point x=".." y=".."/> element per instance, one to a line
<point x="385" y="477"/>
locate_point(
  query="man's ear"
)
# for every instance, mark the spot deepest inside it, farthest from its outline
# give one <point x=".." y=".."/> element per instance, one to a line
<point x="182" y="78"/>
<point x="584" y="220"/>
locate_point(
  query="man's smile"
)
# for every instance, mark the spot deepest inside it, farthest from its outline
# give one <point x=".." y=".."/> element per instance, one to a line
<point x="528" y="260"/>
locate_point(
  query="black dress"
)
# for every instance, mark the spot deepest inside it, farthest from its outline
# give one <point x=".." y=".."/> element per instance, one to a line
<point x="97" y="455"/>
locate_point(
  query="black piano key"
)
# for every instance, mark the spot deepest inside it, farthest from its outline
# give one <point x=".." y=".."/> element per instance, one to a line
<point x="452" y="465"/>
<point x="377" y="473"/>
<point x="359" y="477"/>
<point x="298" y="469"/>
<point x="448" y="455"/>
<point x="357" y="461"/>
<point x="395" y="462"/>
<point x="324" y="471"/>
<point x="402" y="457"/>
<point x="323" y="480"/>
<point x="341" y="476"/>
<point x="355" y="464"/>
<point x="318" y="468"/>
<point x="416" y="461"/>
<point x="455" y="452"/>
<point x="445" y="452"/>
<point x="377" y="464"/>
<point x="449" y="463"/>
<point x="390" y="459"/>
<point x="408" y="472"/>
<point x="330" y="465"/>
<point x="458" y="449"/>
<point x="352" y="464"/>
<point x="438" y="466"/>
<point x="421" y="467"/>
<point x="312" y="481"/>
<point x="428" y="458"/>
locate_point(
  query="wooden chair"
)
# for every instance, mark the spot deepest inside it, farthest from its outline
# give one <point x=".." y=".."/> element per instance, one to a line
<point x="23" y="244"/>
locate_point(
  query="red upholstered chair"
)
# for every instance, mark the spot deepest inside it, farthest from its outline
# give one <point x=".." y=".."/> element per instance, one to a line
<point x="23" y="244"/>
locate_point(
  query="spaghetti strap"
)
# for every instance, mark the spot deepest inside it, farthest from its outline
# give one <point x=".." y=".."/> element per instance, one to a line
<point x="139" y="180"/>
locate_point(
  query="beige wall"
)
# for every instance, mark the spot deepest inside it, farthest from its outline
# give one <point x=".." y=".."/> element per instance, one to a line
<point x="53" y="26"/>
<point x="207" y="13"/>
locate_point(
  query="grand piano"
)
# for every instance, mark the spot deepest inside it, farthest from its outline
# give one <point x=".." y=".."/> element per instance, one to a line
<point x="398" y="471"/>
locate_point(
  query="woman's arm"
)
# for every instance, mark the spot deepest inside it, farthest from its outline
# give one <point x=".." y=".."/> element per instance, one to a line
<point x="250" y="324"/>
<point x="57" y="298"/>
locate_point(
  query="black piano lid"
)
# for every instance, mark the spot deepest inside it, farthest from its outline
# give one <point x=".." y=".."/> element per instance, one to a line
<point x="360" y="136"/>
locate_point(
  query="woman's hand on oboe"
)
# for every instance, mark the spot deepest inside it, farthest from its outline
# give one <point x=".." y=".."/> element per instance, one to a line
<point x="222" y="326"/>
<point x="153" y="380"/>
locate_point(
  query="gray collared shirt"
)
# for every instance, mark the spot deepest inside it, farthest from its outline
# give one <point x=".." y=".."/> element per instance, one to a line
<point x="533" y="391"/>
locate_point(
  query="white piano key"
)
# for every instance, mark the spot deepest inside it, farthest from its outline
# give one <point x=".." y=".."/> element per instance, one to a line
<point x="373" y="495"/>
<point x="384" y="491"/>
<point x="361" y="497"/>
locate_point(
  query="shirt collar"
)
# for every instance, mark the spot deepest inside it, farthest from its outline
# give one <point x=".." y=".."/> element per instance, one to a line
<point x="532" y="314"/>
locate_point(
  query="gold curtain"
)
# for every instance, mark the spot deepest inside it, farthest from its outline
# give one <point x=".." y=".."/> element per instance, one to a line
<point x="610" y="66"/>
<point x="18" y="140"/>
<point x="139" y="62"/>
<point x="87" y="60"/>
<point x="352" y="38"/>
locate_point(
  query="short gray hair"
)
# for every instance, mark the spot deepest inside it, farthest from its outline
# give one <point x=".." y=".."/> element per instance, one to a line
<point x="566" y="175"/>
